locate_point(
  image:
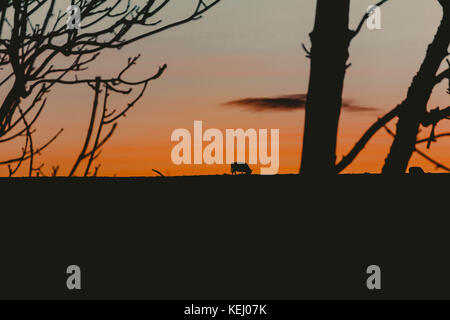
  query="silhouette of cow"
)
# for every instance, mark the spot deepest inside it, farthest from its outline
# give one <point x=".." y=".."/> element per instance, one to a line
<point x="416" y="171"/>
<point x="240" y="167"/>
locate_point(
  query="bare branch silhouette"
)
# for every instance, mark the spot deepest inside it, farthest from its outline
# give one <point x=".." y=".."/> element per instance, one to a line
<point x="109" y="118"/>
<point x="37" y="50"/>
<point x="432" y="118"/>
<point x="55" y="170"/>
<point x="422" y="154"/>
<point x="36" y="151"/>
<point x="418" y="95"/>
<point x="362" y="142"/>
<point x="414" y="110"/>
<point x="437" y="136"/>
<point x="158" y="172"/>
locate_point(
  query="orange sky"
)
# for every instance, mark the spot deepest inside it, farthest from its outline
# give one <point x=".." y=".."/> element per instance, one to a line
<point x="244" y="49"/>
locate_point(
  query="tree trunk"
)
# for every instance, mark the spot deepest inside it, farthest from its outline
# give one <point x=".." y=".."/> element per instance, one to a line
<point x="330" y="41"/>
<point x="414" y="107"/>
<point x="17" y="91"/>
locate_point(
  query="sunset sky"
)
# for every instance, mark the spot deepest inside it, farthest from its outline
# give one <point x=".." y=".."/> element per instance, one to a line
<point x="245" y="49"/>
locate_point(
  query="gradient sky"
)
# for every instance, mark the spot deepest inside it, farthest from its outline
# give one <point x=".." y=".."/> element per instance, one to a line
<point x="240" y="49"/>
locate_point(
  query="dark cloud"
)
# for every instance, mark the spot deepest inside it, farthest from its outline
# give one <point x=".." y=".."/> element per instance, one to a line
<point x="282" y="103"/>
<point x="287" y="103"/>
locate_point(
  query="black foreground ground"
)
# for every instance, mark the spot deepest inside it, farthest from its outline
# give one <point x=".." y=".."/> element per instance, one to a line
<point x="226" y="237"/>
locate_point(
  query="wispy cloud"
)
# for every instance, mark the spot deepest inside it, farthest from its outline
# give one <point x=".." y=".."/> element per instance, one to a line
<point x="288" y="103"/>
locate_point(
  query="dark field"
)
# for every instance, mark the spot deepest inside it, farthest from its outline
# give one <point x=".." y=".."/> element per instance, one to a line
<point x="226" y="237"/>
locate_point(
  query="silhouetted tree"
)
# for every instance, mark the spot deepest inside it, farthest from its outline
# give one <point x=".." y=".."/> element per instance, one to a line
<point x="413" y="110"/>
<point x="421" y="153"/>
<point x="108" y="118"/>
<point x="37" y="51"/>
<point x="330" y="40"/>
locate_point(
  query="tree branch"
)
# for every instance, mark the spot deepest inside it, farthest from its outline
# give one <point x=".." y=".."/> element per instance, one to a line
<point x="362" y="142"/>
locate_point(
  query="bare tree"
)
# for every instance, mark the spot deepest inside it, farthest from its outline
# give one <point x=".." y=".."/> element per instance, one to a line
<point x="421" y="153"/>
<point x="330" y="39"/>
<point x="412" y="112"/>
<point x="108" y="118"/>
<point x="37" y="51"/>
